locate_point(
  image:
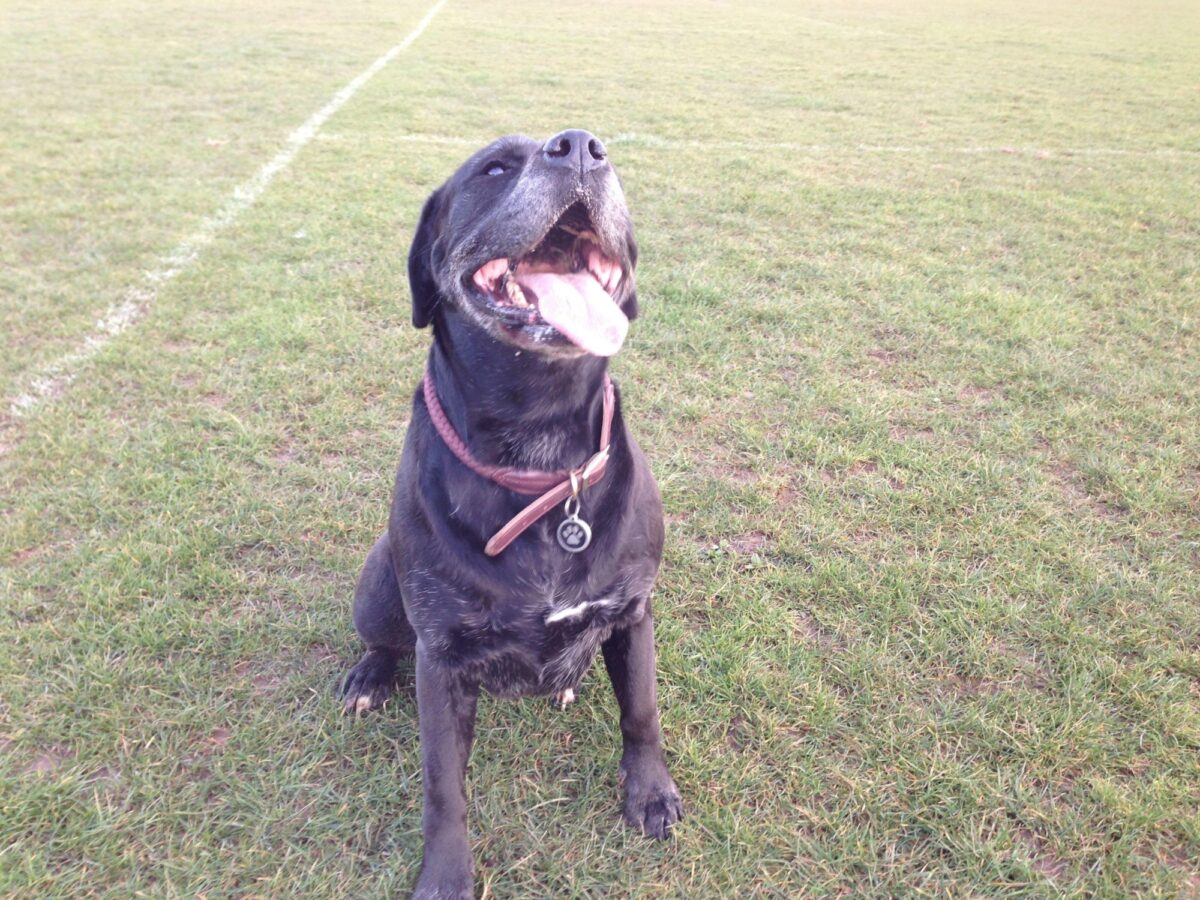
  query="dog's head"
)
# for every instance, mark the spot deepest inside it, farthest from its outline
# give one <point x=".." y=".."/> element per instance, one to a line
<point x="533" y="243"/>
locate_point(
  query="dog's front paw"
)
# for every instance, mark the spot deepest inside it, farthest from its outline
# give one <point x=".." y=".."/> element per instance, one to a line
<point x="652" y="802"/>
<point x="445" y="881"/>
<point x="370" y="682"/>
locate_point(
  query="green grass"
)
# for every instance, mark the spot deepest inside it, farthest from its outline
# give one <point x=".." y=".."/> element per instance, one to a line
<point x="927" y="426"/>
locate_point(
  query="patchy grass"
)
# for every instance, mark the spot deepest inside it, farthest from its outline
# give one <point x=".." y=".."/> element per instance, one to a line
<point x="926" y="423"/>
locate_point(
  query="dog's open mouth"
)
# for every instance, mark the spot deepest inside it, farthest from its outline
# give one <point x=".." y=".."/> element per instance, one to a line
<point x="567" y="281"/>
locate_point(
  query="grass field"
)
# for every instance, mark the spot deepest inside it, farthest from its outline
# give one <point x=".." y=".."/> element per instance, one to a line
<point x="917" y="369"/>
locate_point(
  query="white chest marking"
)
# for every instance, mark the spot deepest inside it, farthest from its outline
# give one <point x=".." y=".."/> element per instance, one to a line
<point x="569" y="612"/>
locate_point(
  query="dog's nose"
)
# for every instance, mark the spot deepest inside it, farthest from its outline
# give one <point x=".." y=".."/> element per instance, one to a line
<point x="575" y="149"/>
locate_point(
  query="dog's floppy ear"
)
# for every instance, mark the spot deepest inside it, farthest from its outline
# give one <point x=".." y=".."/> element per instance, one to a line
<point x="421" y="264"/>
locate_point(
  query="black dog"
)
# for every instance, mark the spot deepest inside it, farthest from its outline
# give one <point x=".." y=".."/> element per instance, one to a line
<point x="523" y="262"/>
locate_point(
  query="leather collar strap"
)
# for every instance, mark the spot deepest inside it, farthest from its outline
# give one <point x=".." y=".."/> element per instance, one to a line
<point x="554" y="487"/>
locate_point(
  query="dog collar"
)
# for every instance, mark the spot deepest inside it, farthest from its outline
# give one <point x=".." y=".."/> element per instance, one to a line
<point x="565" y="485"/>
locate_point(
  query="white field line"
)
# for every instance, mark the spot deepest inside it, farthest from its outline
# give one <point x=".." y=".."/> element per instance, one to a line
<point x="655" y="142"/>
<point x="136" y="302"/>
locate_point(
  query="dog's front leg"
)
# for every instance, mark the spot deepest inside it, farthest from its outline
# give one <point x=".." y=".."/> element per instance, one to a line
<point x="446" y="707"/>
<point x="652" y="801"/>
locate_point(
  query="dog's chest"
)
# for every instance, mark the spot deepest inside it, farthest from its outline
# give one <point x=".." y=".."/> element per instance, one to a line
<point x="541" y="641"/>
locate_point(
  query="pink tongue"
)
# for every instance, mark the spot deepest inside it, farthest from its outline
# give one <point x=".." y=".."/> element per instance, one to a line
<point x="580" y="309"/>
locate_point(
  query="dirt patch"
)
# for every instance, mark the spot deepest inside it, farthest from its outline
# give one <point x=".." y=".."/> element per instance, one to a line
<point x="863" y="467"/>
<point x="1135" y="768"/>
<point x="737" y="734"/>
<point x="886" y="357"/>
<point x="677" y="526"/>
<point x="977" y="394"/>
<point x="263" y="683"/>
<point x="806" y="627"/>
<point x="785" y="495"/>
<point x="10" y="433"/>
<point x="25" y="553"/>
<point x="198" y="774"/>
<point x="1072" y="486"/>
<point x="865" y="536"/>
<point x="721" y="462"/>
<point x="284" y="453"/>
<point x="50" y="760"/>
<point x="904" y="434"/>
<point x="1044" y="860"/>
<point x="213" y="742"/>
<point x="748" y="543"/>
<point x="266" y="684"/>
<point x="958" y="686"/>
<point x="829" y="414"/>
<point x="104" y="775"/>
<point x="318" y="655"/>
<point x="1028" y="672"/>
<point x="878" y="360"/>
<point x="794" y="736"/>
<point x="1181" y="860"/>
<point x="738" y="474"/>
<point x="353" y="266"/>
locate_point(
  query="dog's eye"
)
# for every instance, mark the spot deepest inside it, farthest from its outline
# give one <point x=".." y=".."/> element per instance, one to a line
<point x="495" y="168"/>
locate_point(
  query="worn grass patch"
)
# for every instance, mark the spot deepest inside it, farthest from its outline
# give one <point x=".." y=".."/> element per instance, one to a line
<point x="927" y="424"/>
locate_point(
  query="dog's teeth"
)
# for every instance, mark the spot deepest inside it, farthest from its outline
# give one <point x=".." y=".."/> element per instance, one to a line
<point x="515" y="294"/>
<point x="597" y="265"/>
<point x="604" y="270"/>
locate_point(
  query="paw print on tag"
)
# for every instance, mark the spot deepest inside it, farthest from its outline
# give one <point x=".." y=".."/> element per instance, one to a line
<point x="574" y="535"/>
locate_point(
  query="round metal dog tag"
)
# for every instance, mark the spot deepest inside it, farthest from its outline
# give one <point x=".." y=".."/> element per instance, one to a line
<point x="574" y="534"/>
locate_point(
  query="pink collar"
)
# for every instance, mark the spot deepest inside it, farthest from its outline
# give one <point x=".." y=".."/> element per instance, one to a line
<point x="554" y="487"/>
